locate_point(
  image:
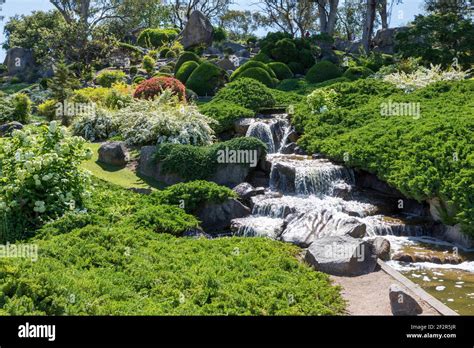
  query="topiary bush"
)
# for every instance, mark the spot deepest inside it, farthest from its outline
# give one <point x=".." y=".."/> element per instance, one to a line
<point x="21" y="107"/>
<point x="285" y="51"/>
<point x="357" y="72"/>
<point x="248" y="93"/>
<point x="251" y="64"/>
<point x="164" y="51"/>
<point x="170" y="54"/>
<point x="108" y="77"/>
<point x="258" y="74"/>
<point x="262" y="57"/>
<point x="155" y="38"/>
<point x="206" y="79"/>
<point x="281" y="70"/>
<point x="296" y="68"/>
<point x="186" y="57"/>
<point x="323" y="71"/>
<point x="155" y="86"/>
<point x="149" y="64"/>
<point x="225" y="113"/>
<point x="186" y="70"/>
<point x="48" y="109"/>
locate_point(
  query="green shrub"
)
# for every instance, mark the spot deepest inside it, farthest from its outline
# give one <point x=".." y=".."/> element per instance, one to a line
<point x="225" y="113"/>
<point x="306" y="58"/>
<point x="206" y="79"/>
<point x="21" y="107"/>
<point x="322" y="71"/>
<point x="251" y="64"/>
<point x="199" y="163"/>
<point x="186" y="57"/>
<point x="281" y="70"/>
<point x="258" y="74"/>
<point x="219" y="34"/>
<point x="261" y="57"/>
<point x="165" y="219"/>
<point x="155" y="38"/>
<point x="133" y="70"/>
<point x="108" y="77"/>
<point x="185" y="70"/>
<point x="170" y="54"/>
<point x="164" y="51"/>
<point x="48" y="109"/>
<point x="248" y="93"/>
<point x="191" y="195"/>
<point x="138" y="79"/>
<point x="357" y="72"/>
<point x="296" y="68"/>
<point x="285" y="51"/>
<point x="149" y="64"/>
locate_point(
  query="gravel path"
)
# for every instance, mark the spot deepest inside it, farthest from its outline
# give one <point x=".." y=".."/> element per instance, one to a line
<point x="369" y="294"/>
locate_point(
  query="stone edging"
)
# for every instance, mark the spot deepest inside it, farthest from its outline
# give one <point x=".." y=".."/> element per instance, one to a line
<point x="417" y="290"/>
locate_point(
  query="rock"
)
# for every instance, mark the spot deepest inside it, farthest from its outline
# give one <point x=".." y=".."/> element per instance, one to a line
<point x="217" y="217"/>
<point x="258" y="226"/>
<point x="243" y="60"/>
<point x="230" y="174"/>
<point x="381" y="248"/>
<point x="342" y="190"/>
<point x="245" y="191"/>
<point x="305" y="228"/>
<point x="403" y="303"/>
<point x="384" y="40"/>
<point x="241" y="125"/>
<point x="198" y="31"/>
<point x="258" y="178"/>
<point x="293" y="136"/>
<point x="212" y="51"/>
<point x="147" y="166"/>
<point x="114" y="153"/>
<point x="196" y="233"/>
<point x="288" y="148"/>
<point x="20" y="62"/>
<point x="453" y="234"/>
<point x="243" y="53"/>
<point x="8" y="128"/>
<point x="300" y="151"/>
<point x="283" y="176"/>
<point x="226" y="64"/>
<point x="341" y="256"/>
<point x="402" y="257"/>
<point x="317" y="156"/>
<point x="235" y="47"/>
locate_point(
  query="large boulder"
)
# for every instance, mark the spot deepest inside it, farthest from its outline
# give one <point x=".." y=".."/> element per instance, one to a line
<point x="148" y="166"/>
<point x="20" y="62"/>
<point x="382" y="248"/>
<point x="114" y="153"/>
<point x="198" y="31"/>
<point x="305" y="228"/>
<point x="342" y="256"/>
<point x="403" y="303"/>
<point x="226" y="64"/>
<point x="217" y="217"/>
<point x="384" y="40"/>
<point x="241" y="125"/>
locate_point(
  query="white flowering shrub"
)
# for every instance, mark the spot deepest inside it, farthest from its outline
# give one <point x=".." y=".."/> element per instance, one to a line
<point x="40" y="178"/>
<point x="422" y="77"/>
<point x="156" y="122"/>
<point x="321" y="100"/>
<point x="95" y="126"/>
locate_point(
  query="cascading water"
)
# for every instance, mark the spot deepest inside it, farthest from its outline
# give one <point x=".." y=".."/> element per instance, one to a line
<point x="311" y="198"/>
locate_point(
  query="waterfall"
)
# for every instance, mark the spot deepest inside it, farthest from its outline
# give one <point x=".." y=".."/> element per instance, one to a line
<point x="321" y="180"/>
<point x="262" y="131"/>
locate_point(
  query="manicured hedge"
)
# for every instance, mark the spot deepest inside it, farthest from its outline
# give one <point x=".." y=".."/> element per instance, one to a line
<point x="206" y="79"/>
<point x="251" y="64"/>
<point x="185" y="70"/>
<point x="281" y="70"/>
<point x="246" y="92"/>
<point x="258" y="74"/>
<point x="323" y="71"/>
<point x="186" y="57"/>
<point x="357" y="72"/>
<point x="155" y="38"/>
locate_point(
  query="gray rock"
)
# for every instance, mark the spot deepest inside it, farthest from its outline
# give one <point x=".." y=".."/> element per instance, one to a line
<point x="217" y="217"/>
<point x="403" y="303"/>
<point x="402" y="257"/>
<point x="243" y="53"/>
<point x="293" y="136"/>
<point x="258" y="178"/>
<point x="305" y="228"/>
<point x="342" y="256"/>
<point x="198" y="31"/>
<point x="241" y="125"/>
<point x="235" y="47"/>
<point x="212" y="51"/>
<point x="230" y="174"/>
<point x="114" y="153"/>
<point x="8" y="128"/>
<point x="382" y="248"/>
<point x="20" y="62"/>
<point x="384" y="40"/>
<point x="243" y="60"/>
<point x="196" y="233"/>
<point x="226" y="64"/>
<point x="245" y="191"/>
<point x="342" y="190"/>
<point x="283" y="176"/>
<point x="148" y="166"/>
<point x="300" y="151"/>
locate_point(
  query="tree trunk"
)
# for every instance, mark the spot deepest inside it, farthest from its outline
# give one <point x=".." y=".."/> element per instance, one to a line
<point x="332" y="16"/>
<point x="383" y="14"/>
<point x="322" y="15"/>
<point x="369" y="24"/>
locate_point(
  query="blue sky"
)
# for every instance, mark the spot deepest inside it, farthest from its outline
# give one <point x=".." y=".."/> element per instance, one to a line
<point x="402" y="14"/>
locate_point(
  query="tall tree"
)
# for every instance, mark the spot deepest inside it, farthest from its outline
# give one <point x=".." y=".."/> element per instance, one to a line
<point x="327" y="10"/>
<point x="239" y="24"/>
<point x="350" y="19"/>
<point x="181" y="9"/>
<point x="369" y="22"/>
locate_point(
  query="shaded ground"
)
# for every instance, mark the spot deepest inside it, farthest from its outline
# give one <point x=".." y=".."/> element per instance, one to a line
<point x="369" y="294"/>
